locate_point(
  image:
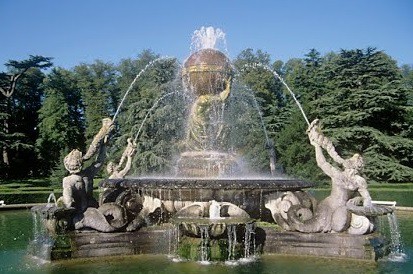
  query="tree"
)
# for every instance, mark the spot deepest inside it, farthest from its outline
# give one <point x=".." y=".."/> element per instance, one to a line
<point x="370" y="117"/>
<point x="264" y="93"/>
<point x="13" y="137"/>
<point x="98" y="85"/>
<point x="407" y="73"/>
<point x="61" y="125"/>
<point x="154" y="108"/>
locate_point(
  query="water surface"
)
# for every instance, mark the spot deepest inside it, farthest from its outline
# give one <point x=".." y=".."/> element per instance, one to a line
<point x="16" y="231"/>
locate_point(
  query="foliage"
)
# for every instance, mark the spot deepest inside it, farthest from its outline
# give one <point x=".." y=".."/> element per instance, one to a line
<point x="154" y="109"/>
<point x="371" y="116"/>
<point x="19" y="117"/>
<point x="364" y="101"/>
<point x="263" y="93"/>
<point x="99" y="91"/>
<point x="61" y="122"/>
<point x="18" y="114"/>
<point x="359" y="96"/>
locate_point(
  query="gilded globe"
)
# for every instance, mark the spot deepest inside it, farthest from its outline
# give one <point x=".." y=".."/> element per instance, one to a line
<point x="207" y="71"/>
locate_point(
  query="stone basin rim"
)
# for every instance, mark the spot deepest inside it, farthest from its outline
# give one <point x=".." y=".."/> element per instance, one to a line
<point x="207" y="183"/>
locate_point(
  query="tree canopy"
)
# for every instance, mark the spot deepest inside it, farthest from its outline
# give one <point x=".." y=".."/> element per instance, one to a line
<point x="363" y="99"/>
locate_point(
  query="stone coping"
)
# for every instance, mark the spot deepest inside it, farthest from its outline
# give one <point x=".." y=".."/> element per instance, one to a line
<point x="282" y="184"/>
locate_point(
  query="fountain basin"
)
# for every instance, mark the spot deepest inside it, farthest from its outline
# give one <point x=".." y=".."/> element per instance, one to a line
<point x="247" y="193"/>
<point x="267" y="185"/>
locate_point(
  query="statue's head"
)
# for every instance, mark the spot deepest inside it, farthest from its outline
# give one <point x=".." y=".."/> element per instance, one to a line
<point x="73" y="161"/>
<point x="355" y="162"/>
<point x="207" y="71"/>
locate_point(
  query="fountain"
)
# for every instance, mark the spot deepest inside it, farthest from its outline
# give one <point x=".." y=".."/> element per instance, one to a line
<point x="209" y="209"/>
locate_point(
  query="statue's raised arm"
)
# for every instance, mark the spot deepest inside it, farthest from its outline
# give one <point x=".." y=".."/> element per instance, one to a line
<point x="318" y="140"/>
<point x="114" y="170"/>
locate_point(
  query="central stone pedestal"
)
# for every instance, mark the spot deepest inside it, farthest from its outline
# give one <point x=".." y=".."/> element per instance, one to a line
<point x="206" y="164"/>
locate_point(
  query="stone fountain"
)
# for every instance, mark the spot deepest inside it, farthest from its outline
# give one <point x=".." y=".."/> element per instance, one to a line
<point x="207" y="211"/>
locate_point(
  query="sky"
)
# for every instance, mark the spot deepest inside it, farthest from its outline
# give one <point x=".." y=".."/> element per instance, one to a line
<point x="82" y="31"/>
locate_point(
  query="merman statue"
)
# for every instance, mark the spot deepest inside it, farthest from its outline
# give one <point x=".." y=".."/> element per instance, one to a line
<point x="78" y="186"/>
<point x="348" y="208"/>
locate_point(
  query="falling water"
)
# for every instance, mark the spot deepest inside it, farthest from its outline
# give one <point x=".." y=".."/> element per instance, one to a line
<point x="173" y="235"/>
<point x="37" y="226"/>
<point x="249" y="240"/>
<point x="277" y="76"/>
<point x="396" y="248"/>
<point x="268" y="142"/>
<point x="51" y="198"/>
<point x="204" y="244"/>
<point x="150" y="110"/>
<point x="41" y="245"/>
<point x="232" y="241"/>
<point x="134" y="81"/>
<point x="214" y="210"/>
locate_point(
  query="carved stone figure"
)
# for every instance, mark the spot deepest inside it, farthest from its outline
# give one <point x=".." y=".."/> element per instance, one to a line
<point x="207" y="75"/>
<point x="347" y="208"/>
<point x="149" y="206"/>
<point x="114" y="170"/>
<point x="212" y="210"/>
<point x="205" y="123"/>
<point x="78" y="186"/>
<point x="107" y="218"/>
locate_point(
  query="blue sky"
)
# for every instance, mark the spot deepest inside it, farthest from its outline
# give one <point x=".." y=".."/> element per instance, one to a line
<point x="79" y="31"/>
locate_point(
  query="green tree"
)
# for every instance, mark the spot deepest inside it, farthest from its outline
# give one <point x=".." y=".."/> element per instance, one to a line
<point x="18" y="109"/>
<point x="364" y="110"/>
<point x="154" y="108"/>
<point x="100" y="92"/>
<point x="61" y="125"/>
<point x="407" y="73"/>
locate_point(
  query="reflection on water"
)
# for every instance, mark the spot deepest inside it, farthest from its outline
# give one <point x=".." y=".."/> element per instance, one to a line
<point x="15" y="232"/>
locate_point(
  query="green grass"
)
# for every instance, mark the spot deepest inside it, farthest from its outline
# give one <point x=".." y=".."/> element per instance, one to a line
<point x="32" y="191"/>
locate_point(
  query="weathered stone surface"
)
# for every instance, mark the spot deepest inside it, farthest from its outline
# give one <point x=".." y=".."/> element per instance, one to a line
<point x="161" y="240"/>
<point x="342" y="245"/>
<point x="153" y="240"/>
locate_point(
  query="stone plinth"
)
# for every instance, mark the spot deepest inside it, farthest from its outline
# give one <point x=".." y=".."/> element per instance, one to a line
<point x="86" y="244"/>
<point x="339" y="245"/>
<point x="161" y="240"/>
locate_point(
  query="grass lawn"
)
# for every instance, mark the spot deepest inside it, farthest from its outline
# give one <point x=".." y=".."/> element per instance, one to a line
<point x="31" y="191"/>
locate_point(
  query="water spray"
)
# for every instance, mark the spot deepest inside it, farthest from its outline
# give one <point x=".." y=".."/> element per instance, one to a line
<point x="134" y="81"/>
<point x="149" y="112"/>
<point x="285" y="84"/>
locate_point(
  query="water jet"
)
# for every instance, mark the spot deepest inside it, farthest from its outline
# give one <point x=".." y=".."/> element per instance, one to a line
<point x="209" y="207"/>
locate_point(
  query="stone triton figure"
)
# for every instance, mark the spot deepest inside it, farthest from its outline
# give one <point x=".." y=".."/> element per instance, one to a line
<point x="343" y="180"/>
<point x="78" y="186"/>
<point x="348" y="208"/>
